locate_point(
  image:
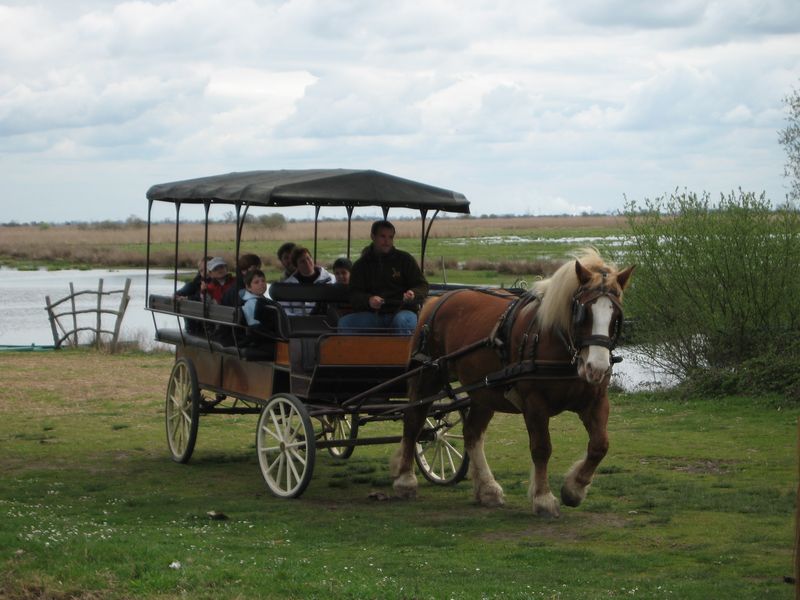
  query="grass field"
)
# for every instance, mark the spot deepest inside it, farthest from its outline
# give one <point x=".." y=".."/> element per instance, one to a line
<point x="695" y="500"/>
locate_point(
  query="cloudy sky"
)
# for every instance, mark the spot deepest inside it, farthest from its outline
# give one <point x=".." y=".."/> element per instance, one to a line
<point x="526" y="107"/>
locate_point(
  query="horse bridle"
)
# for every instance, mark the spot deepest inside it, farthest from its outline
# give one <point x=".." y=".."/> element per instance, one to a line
<point x="582" y="298"/>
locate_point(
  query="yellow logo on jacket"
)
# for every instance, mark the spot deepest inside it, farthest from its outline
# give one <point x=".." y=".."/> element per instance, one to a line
<point x="396" y="274"/>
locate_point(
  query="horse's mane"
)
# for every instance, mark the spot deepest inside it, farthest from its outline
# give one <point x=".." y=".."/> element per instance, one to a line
<point x="557" y="292"/>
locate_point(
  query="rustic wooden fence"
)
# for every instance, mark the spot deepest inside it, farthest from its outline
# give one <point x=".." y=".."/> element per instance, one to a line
<point x="62" y="335"/>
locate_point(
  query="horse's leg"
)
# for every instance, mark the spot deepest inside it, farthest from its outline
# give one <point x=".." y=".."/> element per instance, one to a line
<point x="538" y="423"/>
<point x="401" y="465"/>
<point x="487" y="491"/>
<point x="579" y="477"/>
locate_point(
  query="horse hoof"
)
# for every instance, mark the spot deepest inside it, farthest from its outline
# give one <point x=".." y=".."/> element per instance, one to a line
<point x="572" y="497"/>
<point x="546" y="505"/>
<point x="491" y="496"/>
<point x="405" y="487"/>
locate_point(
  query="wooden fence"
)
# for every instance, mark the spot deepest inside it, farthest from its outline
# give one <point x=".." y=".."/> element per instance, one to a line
<point x="63" y="335"/>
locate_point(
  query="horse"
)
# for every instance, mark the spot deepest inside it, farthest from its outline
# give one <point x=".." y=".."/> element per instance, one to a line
<point x="543" y="353"/>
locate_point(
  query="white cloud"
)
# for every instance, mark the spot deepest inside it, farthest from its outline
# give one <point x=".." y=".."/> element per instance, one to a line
<point x="524" y="106"/>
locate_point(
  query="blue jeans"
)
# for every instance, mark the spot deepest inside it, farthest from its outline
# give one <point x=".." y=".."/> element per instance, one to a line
<point x="404" y="321"/>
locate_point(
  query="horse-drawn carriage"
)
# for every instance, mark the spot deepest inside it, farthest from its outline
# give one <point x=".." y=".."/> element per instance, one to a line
<point x="315" y="387"/>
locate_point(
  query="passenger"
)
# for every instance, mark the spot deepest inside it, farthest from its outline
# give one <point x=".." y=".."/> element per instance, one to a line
<point x="219" y="280"/>
<point x="341" y="270"/>
<point x="260" y="316"/>
<point x="194" y="290"/>
<point x="305" y="272"/>
<point x="246" y="263"/>
<point x="334" y="311"/>
<point x="191" y="290"/>
<point x="386" y="285"/>
<point x="255" y="287"/>
<point x="285" y="256"/>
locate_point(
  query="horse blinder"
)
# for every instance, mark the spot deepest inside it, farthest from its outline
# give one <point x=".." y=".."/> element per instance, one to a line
<point x="579" y="311"/>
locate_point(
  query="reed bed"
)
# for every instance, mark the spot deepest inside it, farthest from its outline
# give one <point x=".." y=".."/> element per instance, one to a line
<point x="121" y="246"/>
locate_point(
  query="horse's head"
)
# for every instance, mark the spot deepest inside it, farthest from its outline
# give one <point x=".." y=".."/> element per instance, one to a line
<point x="597" y="319"/>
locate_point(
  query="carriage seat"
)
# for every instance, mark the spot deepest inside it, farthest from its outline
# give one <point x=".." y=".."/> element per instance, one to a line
<point x="330" y="299"/>
<point x="177" y="336"/>
<point x="247" y="343"/>
<point x="336" y="293"/>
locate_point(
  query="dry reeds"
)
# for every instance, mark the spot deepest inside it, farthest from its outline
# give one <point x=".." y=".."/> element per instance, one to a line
<point x="124" y="245"/>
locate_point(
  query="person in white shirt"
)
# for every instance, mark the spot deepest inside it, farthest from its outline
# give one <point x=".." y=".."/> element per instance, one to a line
<point x="305" y="271"/>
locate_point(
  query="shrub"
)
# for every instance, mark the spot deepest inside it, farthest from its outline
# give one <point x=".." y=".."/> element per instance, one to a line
<point x="716" y="286"/>
<point x="272" y="221"/>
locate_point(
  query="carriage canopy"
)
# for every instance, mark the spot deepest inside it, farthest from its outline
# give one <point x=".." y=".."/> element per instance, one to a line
<point x="315" y="187"/>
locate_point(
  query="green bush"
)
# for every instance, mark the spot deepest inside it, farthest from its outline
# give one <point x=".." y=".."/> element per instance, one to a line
<point x="716" y="287"/>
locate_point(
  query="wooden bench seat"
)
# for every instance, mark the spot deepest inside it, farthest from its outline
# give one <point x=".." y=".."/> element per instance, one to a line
<point x="264" y="351"/>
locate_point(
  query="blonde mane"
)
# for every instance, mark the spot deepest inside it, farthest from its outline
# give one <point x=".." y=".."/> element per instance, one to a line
<point x="557" y="292"/>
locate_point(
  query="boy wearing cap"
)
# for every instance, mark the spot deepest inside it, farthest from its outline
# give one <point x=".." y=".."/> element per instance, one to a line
<point x="219" y="280"/>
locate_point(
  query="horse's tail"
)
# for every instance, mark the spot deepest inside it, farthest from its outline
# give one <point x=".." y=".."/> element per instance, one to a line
<point x="420" y="342"/>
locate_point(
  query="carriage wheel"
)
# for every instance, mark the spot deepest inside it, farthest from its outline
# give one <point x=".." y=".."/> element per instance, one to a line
<point x="340" y="428"/>
<point x="286" y="446"/>
<point x="182" y="410"/>
<point x="440" y="453"/>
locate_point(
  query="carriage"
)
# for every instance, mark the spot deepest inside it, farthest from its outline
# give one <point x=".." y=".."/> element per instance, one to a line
<point x="313" y="387"/>
<point x="474" y="352"/>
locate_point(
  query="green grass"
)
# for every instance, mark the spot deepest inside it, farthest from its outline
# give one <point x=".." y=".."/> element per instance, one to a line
<point x="694" y="500"/>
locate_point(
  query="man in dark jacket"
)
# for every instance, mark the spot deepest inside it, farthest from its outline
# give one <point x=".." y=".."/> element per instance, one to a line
<point x="386" y="285"/>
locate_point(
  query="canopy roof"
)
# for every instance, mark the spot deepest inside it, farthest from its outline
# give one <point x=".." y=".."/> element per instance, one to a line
<point x="316" y="187"/>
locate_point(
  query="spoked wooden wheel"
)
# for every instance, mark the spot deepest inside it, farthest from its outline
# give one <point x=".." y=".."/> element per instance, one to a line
<point x="440" y="453"/>
<point x="286" y="446"/>
<point x="182" y="410"/>
<point x="340" y="428"/>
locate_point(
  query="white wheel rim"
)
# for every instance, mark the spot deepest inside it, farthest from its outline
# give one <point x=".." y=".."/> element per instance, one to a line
<point x="282" y="447"/>
<point x="179" y="410"/>
<point x="341" y="429"/>
<point x="442" y="457"/>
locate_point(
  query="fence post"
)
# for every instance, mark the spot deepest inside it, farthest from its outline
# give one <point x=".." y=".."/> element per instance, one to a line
<point x="123" y="305"/>
<point x="52" y="322"/>
<point x="74" y="316"/>
<point x="99" y="313"/>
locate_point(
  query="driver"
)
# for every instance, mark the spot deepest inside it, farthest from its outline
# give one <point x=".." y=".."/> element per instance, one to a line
<point x="386" y="285"/>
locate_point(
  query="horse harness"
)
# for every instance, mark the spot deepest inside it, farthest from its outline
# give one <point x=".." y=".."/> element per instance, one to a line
<point x="500" y="337"/>
<point x="586" y="295"/>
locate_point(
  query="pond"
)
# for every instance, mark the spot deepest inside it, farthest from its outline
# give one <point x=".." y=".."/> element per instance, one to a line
<point x="24" y="322"/>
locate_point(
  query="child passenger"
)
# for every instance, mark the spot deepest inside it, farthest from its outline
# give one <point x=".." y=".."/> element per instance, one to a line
<point x="219" y="279"/>
<point x="255" y="287"/>
<point x="341" y="270"/>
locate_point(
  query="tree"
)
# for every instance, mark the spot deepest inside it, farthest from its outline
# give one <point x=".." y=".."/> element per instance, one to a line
<point x="790" y="140"/>
<point x="714" y="287"/>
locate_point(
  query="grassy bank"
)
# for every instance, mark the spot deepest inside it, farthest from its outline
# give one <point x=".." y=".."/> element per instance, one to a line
<point x="695" y="500"/>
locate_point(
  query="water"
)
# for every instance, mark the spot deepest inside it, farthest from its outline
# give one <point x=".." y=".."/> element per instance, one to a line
<point x="23" y="318"/>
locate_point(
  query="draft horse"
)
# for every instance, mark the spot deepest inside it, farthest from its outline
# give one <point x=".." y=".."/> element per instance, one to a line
<point x="545" y="352"/>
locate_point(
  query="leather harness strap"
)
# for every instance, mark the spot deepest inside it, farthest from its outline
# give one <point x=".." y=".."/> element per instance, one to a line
<point x="523" y="368"/>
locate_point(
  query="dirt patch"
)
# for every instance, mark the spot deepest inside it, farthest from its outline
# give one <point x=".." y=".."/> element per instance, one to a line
<point x="570" y="527"/>
<point x="706" y="467"/>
